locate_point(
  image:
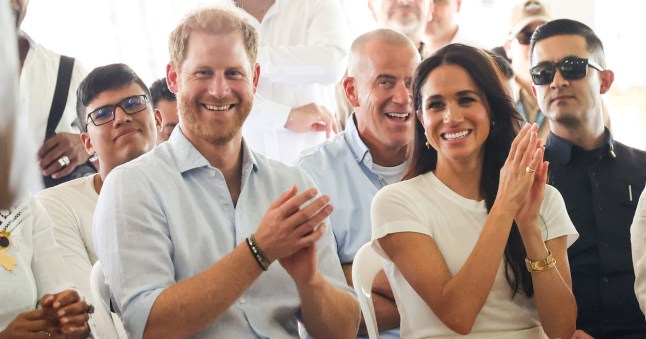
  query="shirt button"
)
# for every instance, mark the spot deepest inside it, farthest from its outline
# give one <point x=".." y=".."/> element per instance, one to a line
<point x="212" y="173"/>
<point x="243" y="300"/>
<point x="605" y="279"/>
<point x="605" y="244"/>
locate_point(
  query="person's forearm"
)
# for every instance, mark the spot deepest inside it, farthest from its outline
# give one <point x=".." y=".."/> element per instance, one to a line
<point x="190" y="305"/>
<point x="328" y="312"/>
<point x="386" y="313"/>
<point x="554" y="299"/>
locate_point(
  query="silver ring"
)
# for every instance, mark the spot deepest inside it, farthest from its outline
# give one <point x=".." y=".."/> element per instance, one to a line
<point x="64" y="161"/>
<point x="529" y="170"/>
<point x="45" y="332"/>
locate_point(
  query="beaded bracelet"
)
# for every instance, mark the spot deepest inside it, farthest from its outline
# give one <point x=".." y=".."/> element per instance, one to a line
<point x="541" y="265"/>
<point x="257" y="253"/>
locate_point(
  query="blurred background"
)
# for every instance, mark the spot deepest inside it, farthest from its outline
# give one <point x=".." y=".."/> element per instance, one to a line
<point x="135" y="32"/>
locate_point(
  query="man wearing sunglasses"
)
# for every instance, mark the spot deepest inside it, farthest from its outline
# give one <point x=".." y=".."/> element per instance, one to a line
<point x="525" y="18"/>
<point x="119" y="125"/>
<point x="600" y="179"/>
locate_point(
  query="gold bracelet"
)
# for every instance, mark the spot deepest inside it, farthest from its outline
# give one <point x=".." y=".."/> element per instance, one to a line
<point x="541" y="265"/>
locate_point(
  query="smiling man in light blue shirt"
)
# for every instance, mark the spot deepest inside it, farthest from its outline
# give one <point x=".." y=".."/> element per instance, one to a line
<point x="190" y="233"/>
<point x="371" y="152"/>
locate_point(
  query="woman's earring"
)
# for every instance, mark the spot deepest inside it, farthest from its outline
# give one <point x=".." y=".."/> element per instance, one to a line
<point x="428" y="145"/>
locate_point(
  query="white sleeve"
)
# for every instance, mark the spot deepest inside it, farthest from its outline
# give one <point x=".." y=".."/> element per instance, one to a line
<point x="638" y="240"/>
<point x="555" y="221"/>
<point x="321" y="59"/>
<point x="18" y="172"/>
<point x="73" y="250"/>
<point x="394" y="211"/>
<point x="47" y="264"/>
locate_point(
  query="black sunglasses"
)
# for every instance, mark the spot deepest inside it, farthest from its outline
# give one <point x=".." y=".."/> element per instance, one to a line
<point x="106" y="114"/>
<point x="571" y="68"/>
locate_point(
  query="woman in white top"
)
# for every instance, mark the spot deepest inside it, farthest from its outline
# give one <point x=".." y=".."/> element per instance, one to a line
<point x="474" y="241"/>
<point x="32" y="278"/>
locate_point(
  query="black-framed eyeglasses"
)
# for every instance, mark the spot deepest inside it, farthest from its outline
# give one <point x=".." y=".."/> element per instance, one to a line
<point x="130" y="105"/>
<point x="524" y="37"/>
<point x="571" y="68"/>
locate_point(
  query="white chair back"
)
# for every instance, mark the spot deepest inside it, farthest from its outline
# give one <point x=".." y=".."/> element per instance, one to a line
<point x="365" y="267"/>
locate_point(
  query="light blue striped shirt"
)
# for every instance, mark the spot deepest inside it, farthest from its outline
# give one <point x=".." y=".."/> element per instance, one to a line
<point x="168" y="216"/>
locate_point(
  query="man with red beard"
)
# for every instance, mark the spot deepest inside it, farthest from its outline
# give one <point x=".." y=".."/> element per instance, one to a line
<point x="187" y="233"/>
<point x="370" y="153"/>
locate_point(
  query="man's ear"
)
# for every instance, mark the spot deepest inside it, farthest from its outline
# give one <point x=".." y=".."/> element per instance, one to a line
<point x="607" y="77"/>
<point x="349" y="85"/>
<point x="171" y="77"/>
<point x="158" y="120"/>
<point x="256" y="77"/>
<point x="87" y="143"/>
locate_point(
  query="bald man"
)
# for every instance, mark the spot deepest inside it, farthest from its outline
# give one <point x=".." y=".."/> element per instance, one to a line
<point x="370" y="153"/>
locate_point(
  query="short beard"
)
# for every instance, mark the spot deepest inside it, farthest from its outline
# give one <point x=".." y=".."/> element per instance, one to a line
<point x="219" y="135"/>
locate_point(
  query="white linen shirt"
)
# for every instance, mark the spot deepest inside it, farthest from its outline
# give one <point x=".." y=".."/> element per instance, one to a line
<point x="302" y="55"/>
<point x="71" y="207"/>
<point x="38" y="269"/>
<point x="37" y="84"/>
<point x="168" y="215"/>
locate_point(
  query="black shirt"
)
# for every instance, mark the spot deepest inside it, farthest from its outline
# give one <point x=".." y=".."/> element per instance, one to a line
<point x="601" y="189"/>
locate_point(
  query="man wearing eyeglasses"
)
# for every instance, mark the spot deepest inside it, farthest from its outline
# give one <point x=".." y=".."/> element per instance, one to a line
<point x="118" y="125"/>
<point x="599" y="178"/>
<point x="525" y="18"/>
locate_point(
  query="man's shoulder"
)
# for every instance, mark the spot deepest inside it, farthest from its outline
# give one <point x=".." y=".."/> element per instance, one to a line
<point x="152" y="164"/>
<point x="277" y="169"/>
<point x="334" y="148"/>
<point x="630" y="153"/>
<point x="72" y="187"/>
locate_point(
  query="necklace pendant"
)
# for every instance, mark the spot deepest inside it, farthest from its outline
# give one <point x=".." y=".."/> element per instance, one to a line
<point x="7" y="261"/>
<point x="4" y="241"/>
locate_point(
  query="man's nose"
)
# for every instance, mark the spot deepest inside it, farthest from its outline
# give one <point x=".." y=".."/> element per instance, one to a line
<point x="219" y="87"/>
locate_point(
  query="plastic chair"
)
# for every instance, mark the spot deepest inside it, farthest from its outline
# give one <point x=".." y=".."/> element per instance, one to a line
<point x="101" y="295"/>
<point x="365" y="267"/>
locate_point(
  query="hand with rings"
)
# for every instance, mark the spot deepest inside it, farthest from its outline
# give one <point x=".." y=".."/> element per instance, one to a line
<point x="68" y="313"/>
<point x="64" y="161"/>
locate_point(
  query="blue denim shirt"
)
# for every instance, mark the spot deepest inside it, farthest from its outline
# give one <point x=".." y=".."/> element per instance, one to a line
<point x="168" y="216"/>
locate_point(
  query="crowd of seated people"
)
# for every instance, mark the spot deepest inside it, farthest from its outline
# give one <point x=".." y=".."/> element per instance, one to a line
<point x="486" y="225"/>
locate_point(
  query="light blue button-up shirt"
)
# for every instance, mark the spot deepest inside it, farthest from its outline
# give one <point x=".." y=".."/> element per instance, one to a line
<point x="342" y="168"/>
<point x="168" y="216"/>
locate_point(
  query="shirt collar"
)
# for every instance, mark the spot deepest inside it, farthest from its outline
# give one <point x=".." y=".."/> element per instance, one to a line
<point x="561" y="149"/>
<point x="359" y="150"/>
<point x="187" y="157"/>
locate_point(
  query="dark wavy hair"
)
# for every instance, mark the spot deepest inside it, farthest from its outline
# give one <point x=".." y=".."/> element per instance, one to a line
<point x="506" y="123"/>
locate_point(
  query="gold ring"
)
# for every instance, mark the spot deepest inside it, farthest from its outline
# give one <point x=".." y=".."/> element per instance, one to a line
<point x="529" y="170"/>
